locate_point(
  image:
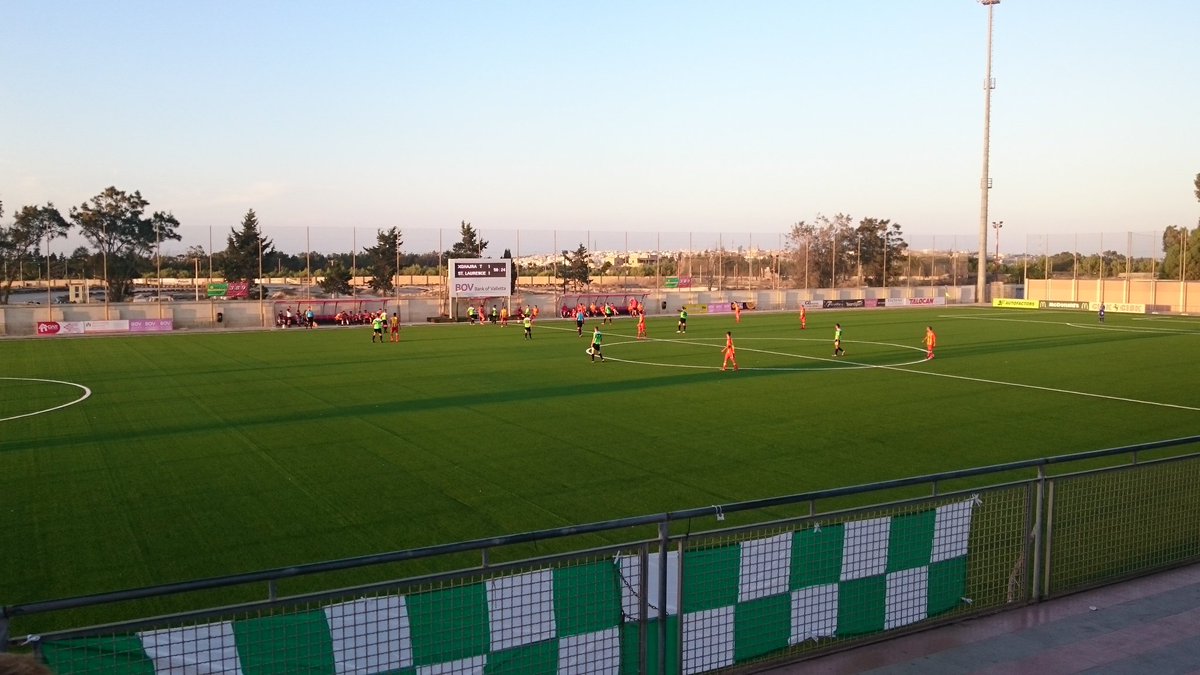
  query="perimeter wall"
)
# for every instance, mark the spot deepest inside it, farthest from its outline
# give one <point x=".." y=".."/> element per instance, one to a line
<point x="22" y="320"/>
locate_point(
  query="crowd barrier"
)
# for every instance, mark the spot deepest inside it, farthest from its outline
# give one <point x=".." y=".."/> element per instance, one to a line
<point x="747" y="584"/>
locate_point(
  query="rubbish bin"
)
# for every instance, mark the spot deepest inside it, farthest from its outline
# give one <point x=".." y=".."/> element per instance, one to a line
<point x="220" y="317"/>
<point x="664" y="304"/>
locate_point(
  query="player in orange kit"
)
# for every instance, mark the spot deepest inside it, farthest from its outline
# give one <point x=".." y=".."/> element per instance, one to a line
<point x="641" y="327"/>
<point x="930" y="342"/>
<point x="803" y="318"/>
<point x="728" y="350"/>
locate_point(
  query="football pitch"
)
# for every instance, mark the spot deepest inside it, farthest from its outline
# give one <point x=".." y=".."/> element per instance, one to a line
<point x="132" y="461"/>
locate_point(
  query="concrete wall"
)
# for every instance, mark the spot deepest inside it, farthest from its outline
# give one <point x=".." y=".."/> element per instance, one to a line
<point x="1167" y="297"/>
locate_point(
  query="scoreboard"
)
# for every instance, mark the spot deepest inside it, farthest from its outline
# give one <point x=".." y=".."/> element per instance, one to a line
<point x="479" y="278"/>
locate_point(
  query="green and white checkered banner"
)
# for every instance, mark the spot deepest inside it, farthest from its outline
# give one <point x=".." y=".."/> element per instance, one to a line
<point x="740" y="601"/>
<point x="744" y="601"/>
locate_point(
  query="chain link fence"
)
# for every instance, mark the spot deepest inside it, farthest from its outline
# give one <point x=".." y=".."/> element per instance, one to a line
<point x="1111" y="524"/>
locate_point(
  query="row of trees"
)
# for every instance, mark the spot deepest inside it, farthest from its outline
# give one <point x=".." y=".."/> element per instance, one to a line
<point x="833" y="250"/>
<point x="125" y="241"/>
<point x="125" y="238"/>
<point x="114" y="222"/>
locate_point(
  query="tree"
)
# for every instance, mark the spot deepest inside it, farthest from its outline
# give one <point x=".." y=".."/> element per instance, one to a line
<point x="881" y="246"/>
<point x="576" y="269"/>
<point x="823" y="251"/>
<point x="113" y="223"/>
<point x="512" y="270"/>
<point x="826" y="253"/>
<point x="246" y="251"/>
<point x="337" y="279"/>
<point x="471" y="246"/>
<point x="1196" y="183"/>
<point x="382" y="257"/>
<point x="1181" y="253"/>
<point x="83" y="262"/>
<point x="22" y="242"/>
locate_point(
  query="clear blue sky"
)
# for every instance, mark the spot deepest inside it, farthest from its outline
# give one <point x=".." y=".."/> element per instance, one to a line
<point x="611" y="116"/>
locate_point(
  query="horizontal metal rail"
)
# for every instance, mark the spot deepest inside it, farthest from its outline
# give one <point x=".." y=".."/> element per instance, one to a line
<point x="275" y="574"/>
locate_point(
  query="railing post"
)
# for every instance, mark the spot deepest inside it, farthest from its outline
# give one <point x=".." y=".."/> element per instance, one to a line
<point x="643" y="611"/>
<point x="1048" y="540"/>
<point x="1039" y="505"/>
<point x="3" y="632"/>
<point x="679" y="582"/>
<point x="272" y="590"/>
<point x="664" y="540"/>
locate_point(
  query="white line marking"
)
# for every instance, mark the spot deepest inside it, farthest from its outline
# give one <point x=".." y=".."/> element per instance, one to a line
<point x="1115" y="329"/>
<point x="902" y="367"/>
<point x="1040" y="388"/>
<point x="86" y="393"/>
<point x="1168" y="319"/>
<point x="842" y="363"/>
<point x="1088" y="326"/>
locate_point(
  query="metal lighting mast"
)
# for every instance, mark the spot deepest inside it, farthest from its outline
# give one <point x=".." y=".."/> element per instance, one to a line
<point x="985" y="183"/>
<point x="996" y="225"/>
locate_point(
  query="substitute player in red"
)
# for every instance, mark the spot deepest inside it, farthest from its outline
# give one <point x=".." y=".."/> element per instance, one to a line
<point x="930" y="342"/>
<point x="728" y="351"/>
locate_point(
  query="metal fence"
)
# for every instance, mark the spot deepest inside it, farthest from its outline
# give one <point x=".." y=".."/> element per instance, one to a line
<point x="738" y="585"/>
<point x="745" y="254"/>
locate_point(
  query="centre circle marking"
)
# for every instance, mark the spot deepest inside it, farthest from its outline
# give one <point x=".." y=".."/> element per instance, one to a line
<point x="842" y="363"/>
<point x="86" y="393"/>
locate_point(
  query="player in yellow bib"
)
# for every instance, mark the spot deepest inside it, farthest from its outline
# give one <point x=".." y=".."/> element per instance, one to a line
<point x="597" y="339"/>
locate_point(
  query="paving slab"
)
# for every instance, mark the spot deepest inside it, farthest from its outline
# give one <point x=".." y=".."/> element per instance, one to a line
<point x="1147" y="625"/>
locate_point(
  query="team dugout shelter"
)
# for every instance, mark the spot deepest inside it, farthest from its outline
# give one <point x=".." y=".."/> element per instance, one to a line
<point x="345" y="311"/>
<point x="625" y="304"/>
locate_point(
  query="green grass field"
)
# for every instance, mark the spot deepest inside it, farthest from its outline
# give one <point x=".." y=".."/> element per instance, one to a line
<point x="205" y="454"/>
